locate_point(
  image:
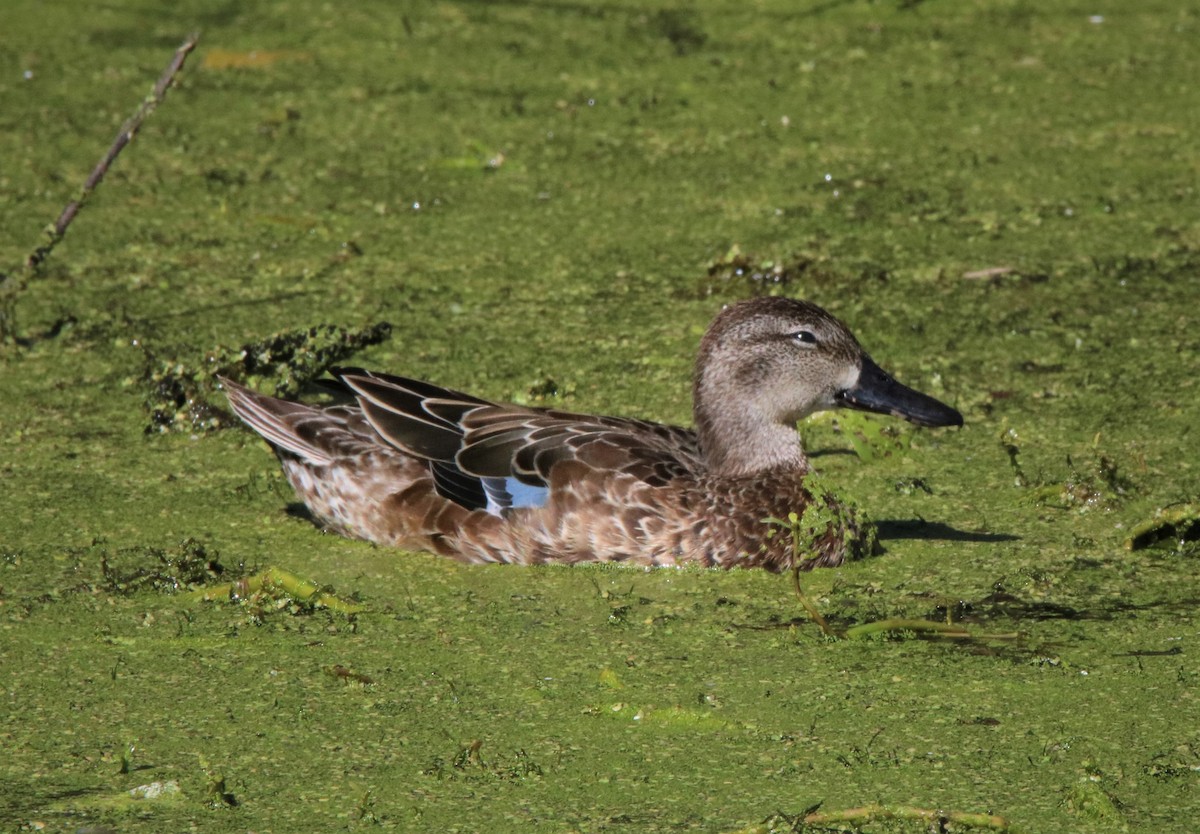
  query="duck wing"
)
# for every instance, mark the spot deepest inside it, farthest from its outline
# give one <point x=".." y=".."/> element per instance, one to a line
<point x="527" y="443"/>
<point x="505" y="453"/>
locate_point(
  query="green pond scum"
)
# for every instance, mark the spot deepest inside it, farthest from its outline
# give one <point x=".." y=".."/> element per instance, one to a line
<point x="548" y="202"/>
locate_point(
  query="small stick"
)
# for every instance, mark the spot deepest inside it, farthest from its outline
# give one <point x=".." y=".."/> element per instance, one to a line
<point x="12" y="286"/>
<point x="58" y="230"/>
<point x="814" y="613"/>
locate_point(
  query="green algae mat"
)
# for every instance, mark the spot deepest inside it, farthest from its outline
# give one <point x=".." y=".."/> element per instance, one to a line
<point x="546" y="203"/>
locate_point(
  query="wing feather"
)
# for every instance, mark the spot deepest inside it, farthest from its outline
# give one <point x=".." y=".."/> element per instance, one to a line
<point x="478" y="445"/>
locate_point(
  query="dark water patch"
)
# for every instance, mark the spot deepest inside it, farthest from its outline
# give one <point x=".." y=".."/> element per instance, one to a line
<point x="936" y="530"/>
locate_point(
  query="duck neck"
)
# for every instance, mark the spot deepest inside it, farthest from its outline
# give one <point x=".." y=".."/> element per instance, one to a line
<point x="745" y="442"/>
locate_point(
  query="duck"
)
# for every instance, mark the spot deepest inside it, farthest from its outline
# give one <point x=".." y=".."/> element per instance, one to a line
<point x="421" y="467"/>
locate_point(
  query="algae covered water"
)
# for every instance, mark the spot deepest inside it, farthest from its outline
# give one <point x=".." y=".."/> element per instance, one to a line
<point x="547" y="203"/>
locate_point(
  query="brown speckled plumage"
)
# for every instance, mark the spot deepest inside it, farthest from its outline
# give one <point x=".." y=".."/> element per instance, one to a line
<point x="422" y="467"/>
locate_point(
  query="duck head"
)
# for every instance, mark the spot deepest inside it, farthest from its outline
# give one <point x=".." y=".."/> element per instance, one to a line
<point x="766" y="363"/>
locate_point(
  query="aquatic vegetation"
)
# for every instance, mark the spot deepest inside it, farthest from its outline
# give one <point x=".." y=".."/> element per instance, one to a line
<point x="129" y="570"/>
<point x="833" y="520"/>
<point x="738" y="274"/>
<point x="1000" y="194"/>
<point x="280" y="588"/>
<point x="1179" y="524"/>
<point x="183" y="395"/>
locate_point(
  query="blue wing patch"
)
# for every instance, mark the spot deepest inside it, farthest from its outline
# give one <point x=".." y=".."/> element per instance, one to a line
<point x="510" y="493"/>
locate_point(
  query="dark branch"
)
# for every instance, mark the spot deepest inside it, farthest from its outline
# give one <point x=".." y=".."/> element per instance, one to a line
<point x="12" y="286"/>
<point x="56" y="232"/>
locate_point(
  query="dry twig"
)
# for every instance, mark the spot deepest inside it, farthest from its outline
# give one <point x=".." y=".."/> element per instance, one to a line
<point x="12" y="286"/>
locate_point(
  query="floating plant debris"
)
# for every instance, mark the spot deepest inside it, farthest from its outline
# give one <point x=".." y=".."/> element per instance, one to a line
<point x="181" y="393"/>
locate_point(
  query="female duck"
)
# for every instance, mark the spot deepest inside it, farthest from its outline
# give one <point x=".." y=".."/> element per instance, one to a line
<point x="419" y="466"/>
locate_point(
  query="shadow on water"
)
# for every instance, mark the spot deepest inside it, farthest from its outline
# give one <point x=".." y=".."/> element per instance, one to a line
<point x="298" y="510"/>
<point x="1002" y="603"/>
<point x="916" y="528"/>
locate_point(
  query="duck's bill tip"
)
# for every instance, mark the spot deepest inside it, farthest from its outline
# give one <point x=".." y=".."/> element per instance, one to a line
<point x="877" y="391"/>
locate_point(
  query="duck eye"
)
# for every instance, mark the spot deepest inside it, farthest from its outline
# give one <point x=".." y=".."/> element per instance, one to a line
<point x="805" y="336"/>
